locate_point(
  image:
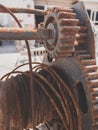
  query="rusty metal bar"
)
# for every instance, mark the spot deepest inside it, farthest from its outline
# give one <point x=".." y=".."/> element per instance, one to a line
<point x="25" y="10"/>
<point x="7" y="33"/>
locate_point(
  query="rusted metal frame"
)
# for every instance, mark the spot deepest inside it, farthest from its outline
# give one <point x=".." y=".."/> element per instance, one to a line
<point x="25" y="10"/>
<point x="25" y="34"/>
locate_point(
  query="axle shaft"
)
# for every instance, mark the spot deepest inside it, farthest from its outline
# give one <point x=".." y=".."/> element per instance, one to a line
<point x="25" y="34"/>
<point x="24" y="10"/>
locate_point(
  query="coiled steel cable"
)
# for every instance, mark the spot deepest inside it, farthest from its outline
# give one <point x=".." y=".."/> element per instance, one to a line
<point x="61" y="96"/>
<point x="61" y="89"/>
<point x="68" y="99"/>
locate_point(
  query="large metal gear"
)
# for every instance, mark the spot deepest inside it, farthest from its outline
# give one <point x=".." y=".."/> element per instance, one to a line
<point x="80" y="41"/>
<point x="63" y="22"/>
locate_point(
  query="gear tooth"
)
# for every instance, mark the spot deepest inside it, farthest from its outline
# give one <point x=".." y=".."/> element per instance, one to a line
<point x="81" y="35"/>
<point x="66" y="15"/>
<point x="83" y="29"/>
<point x="63" y="10"/>
<point x="69" y="10"/>
<point x="65" y="52"/>
<point x="68" y="22"/>
<point x="67" y="41"/>
<point x="69" y="28"/>
<point x="67" y="47"/>
<point x="69" y="34"/>
<point x="62" y="45"/>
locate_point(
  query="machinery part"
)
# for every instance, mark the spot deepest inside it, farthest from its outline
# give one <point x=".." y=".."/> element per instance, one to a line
<point x="86" y="28"/>
<point x="64" y="24"/>
<point x="86" y="57"/>
<point x="84" y="75"/>
<point x="25" y="33"/>
<point x="51" y="102"/>
<point x="81" y="70"/>
<point x="23" y="10"/>
<point x="74" y="93"/>
<point x="89" y="68"/>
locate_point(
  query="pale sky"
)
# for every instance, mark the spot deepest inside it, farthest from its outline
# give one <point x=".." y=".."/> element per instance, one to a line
<point x="9" y="2"/>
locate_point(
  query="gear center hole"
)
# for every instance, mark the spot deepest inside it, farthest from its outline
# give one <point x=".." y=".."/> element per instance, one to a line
<point x="82" y="97"/>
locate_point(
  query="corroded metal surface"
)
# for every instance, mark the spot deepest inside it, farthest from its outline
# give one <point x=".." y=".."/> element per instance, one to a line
<point x="25" y="34"/>
<point x="65" y="27"/>
<point x="68" y="84"/>
<point x="51" y="100"/>
<point x="83" y="17"/>
<point x="25" y="10"/>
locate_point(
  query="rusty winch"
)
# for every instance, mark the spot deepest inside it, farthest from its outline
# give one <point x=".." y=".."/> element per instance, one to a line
<point x="63" y="89"/>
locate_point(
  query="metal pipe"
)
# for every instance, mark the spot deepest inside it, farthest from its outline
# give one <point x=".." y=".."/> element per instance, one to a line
<point x="25" y="10"/>
<point x="7" y="33"/>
